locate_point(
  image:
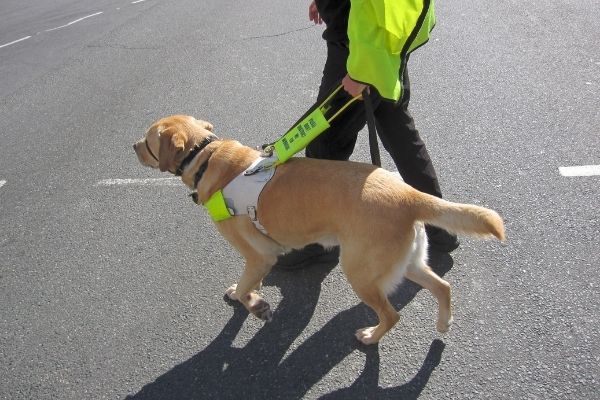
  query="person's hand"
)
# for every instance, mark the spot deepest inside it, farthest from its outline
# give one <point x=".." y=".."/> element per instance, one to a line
<point x="352" y="87"/>
<point x="313" y="13"/>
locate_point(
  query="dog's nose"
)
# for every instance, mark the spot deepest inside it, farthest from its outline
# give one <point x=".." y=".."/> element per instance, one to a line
<point x="134" y="146"/>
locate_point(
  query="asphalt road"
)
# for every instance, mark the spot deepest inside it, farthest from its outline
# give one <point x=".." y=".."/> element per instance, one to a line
<point x="116" y="290"/>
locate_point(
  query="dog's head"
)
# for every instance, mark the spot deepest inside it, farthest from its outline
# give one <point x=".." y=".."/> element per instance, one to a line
<point x="168" y="141"/>
<point x="186" y="146"/>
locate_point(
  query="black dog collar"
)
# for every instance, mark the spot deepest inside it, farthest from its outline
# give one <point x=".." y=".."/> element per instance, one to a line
<point x="193" y="153"/>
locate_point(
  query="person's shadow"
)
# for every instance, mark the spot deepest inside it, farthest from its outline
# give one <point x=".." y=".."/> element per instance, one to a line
<point x="257" y="370"/>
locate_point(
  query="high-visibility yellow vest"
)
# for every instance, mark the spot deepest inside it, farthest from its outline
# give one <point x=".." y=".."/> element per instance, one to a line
<point x="382" y="33"/>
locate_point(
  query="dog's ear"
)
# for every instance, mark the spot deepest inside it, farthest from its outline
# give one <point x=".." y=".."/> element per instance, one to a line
<point x="172" y="144"/>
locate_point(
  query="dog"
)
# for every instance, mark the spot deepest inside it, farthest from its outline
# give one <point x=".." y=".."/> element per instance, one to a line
<point x="375" y="218"/>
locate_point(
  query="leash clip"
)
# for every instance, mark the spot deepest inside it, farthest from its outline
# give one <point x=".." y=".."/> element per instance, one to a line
<point x="266" y="150"/>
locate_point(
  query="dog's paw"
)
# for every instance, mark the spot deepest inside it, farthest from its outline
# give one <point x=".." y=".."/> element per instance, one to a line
<point x="367" y="335"/>
<point x="443" y="326"/>
<point x="230" y="292"/>
<point x="262" y="310"/>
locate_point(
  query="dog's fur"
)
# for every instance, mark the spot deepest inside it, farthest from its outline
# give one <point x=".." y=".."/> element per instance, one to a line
<point x="375" y="217"/>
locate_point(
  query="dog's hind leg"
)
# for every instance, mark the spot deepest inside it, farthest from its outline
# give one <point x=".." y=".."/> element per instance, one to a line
<point x="369" y="290"/>
<point x="375" y="297"/>
<point x="421" y="274"/>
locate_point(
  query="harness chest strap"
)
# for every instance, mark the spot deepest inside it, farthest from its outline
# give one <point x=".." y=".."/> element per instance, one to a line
<point x="216" y="207"/>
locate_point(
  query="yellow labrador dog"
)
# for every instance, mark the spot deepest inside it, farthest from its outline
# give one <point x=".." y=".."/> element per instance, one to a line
<point x="375" y="218"/>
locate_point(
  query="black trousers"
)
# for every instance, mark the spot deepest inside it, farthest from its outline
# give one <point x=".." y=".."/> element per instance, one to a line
<point x="395" y="126"/>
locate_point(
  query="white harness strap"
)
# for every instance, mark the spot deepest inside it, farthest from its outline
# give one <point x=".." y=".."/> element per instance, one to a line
<point x="241" y="194"/>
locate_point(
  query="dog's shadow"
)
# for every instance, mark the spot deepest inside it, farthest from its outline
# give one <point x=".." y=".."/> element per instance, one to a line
<point x="257" y="369"/>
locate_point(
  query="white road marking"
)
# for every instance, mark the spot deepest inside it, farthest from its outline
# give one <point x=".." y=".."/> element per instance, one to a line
<point x="140" y="182"/>
<point x="582" y="170"/>
<point x="16" y="41"/>
<point x="2" y="183"/>
<point x="73" y="22"/>
<point x="63" y="26"/>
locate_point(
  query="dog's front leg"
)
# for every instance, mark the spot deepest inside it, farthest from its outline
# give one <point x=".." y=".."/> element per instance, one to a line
<point x="260" y="254"/>
<point x="245" y="292"/>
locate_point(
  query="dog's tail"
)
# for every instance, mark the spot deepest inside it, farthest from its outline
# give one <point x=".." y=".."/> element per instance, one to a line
<point x="459" y="218"/>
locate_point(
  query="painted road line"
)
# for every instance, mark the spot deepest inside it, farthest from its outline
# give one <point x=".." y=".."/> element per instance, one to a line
<point x="582" y="170"/>
<point x="16" y="41"/>
<point x="62" y="26"/>
<point x="2" y="183"/>
<point x="73" y="22"/>
<point x="140" y="182"/>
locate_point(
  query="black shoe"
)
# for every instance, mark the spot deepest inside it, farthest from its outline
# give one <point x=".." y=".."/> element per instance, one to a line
<point x="441" y="240"/>
<point x="312" y="254"/>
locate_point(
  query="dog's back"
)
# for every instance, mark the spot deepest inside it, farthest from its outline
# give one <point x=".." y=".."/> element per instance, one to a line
<point x="346" y="198"/>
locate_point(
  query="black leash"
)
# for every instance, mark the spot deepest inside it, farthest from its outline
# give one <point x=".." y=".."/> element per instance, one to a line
<point x="373" y="145"/>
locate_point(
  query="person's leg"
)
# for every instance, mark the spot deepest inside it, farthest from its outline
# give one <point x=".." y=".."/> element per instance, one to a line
<point x="401" y="139"/>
